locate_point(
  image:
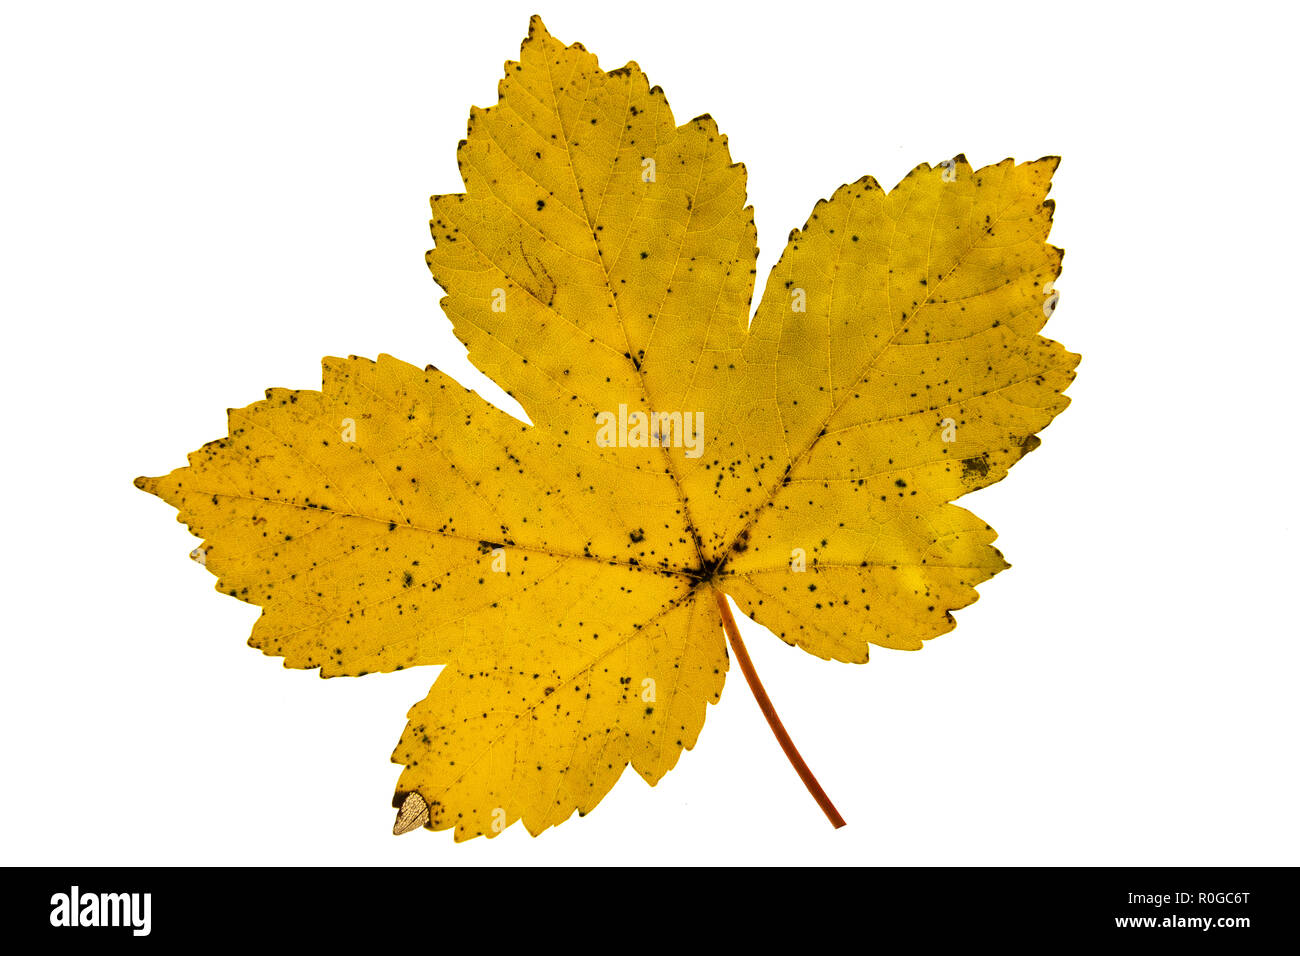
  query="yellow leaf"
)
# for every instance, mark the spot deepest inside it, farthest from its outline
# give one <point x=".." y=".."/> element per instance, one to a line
<point x="600" y="266"/>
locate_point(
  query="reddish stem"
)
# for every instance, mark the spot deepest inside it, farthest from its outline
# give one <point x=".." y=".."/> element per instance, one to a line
<point x="773" y="721"/>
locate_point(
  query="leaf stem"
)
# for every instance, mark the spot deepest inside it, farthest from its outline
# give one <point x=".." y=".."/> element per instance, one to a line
<point x="769" y="712"/>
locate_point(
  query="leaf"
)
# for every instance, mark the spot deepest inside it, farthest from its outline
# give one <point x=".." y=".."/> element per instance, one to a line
<point x="599" y="265"/>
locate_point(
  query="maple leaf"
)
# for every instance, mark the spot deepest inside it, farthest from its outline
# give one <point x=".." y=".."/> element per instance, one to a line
<point x="570" y="574"/>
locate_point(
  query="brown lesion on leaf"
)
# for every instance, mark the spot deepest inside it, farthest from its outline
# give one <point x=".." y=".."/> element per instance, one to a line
<point x="413" y="812"/>
<point x="974" y="469"/>
<point x="541" y="287"/>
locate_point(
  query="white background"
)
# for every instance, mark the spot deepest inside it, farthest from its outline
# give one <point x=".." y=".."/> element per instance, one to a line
<point x="201" y="200"/>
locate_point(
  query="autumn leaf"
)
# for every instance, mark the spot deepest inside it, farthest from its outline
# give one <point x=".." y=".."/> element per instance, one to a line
<point x="599" y="265"/>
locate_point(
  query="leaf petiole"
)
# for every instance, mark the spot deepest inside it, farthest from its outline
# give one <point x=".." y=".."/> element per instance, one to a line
<point x="769" y="712"/>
